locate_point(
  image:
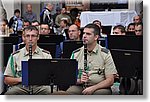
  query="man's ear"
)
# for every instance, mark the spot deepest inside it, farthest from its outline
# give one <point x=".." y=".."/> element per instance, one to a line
<point x="96" y="37"/>
<point x="23" y="37"/>
<point x="79" y="32"/>
<point x="38" y="36"/>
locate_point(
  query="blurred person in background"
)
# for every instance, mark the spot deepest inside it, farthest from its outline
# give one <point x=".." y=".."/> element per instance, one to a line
<point x="4" y="30"/>
<point x="3" y="14"/>
<point x="46" y="16"/>
<point x="16" y="22"/>
<point x="63" y="16"/>
<point x="137" y="19"/>
<point x="131" y="27"/>
<point x="139" y="29"/>
<point x="119" y="30"/>
<point x="44" y="29"/>
<point x="29" y="14"/>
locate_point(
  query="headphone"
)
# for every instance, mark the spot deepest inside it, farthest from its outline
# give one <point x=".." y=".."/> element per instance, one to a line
<point x="127" y="85"/>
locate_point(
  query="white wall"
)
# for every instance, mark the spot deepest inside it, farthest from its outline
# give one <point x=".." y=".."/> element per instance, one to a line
<point x="138" y="6"/>
<point x="9" y="7"/>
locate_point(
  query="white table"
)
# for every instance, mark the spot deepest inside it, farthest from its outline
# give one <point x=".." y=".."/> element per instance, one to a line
<point x="108" y="17"/>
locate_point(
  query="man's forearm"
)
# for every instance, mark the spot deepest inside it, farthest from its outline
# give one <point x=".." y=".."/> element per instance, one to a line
<point x="12" y="81"/>
<point x="104" y="84"/>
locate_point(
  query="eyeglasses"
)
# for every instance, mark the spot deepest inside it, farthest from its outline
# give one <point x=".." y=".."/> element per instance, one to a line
<point x="44" y="28"/>
<point x="115" y="32"/>
<point x="71" y="31"/>
<point x="32" y="36"/>
<point x="135" y="19"/>
<point x="138" y="30"/>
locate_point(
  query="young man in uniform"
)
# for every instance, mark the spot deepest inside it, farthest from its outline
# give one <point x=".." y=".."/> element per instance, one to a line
<point x="13" y="76"/>
<point x="100" y="71"/>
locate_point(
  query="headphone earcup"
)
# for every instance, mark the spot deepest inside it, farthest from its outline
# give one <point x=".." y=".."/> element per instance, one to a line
<point x="140" y="87"/>
<point x="132" y="86"/>
<point x="121" y="87"/>
<point x="127" y="86"/>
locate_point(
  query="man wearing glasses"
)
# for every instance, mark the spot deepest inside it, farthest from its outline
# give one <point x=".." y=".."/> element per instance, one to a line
<point x="45" y="29"/>
<point x="138" y="29"/>
<point x="74" y="32"/>
<point x="12" y="74"/>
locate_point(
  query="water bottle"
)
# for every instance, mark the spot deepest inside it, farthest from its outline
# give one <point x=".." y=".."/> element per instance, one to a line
<point x="115" y="88"/>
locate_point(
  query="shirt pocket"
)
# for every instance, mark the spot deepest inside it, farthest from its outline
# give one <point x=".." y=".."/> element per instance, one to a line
<point x="96" y="65"/>
<point x="97" y="73"/>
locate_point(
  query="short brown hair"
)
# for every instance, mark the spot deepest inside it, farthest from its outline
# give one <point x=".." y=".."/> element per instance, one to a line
<point x="95" y="27"/>
<point x="30" y="27"/>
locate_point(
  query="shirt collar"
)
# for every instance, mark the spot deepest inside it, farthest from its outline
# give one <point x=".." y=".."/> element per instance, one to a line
<point x="95" y="50"/>
<point x="26" y="53"/>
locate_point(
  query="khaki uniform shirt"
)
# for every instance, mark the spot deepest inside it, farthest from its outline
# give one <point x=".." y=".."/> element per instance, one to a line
<point x="99" y="63"/>
<point x="14" y="63"/>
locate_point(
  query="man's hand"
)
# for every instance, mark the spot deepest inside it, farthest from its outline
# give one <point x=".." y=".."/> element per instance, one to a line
<point x="84" y="77"/>
<point x="11" y="80"/>
<point x="20" y="79"/>
<point x="88" y="91"/>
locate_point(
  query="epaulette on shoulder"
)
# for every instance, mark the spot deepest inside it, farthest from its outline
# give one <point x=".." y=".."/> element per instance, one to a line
<point x="16" y="52"/>
<point x="46" y="51"/>
<point x="105" y="50"/>
<point x="77" y="50"/>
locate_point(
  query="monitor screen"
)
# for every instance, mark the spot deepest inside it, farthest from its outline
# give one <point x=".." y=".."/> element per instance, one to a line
<point x="12" y="39"/>
<point x="125" y="42"/>
<point x="51" y="38"/>
<point x="69" y="46"/>
<point x="106" y="30"/>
